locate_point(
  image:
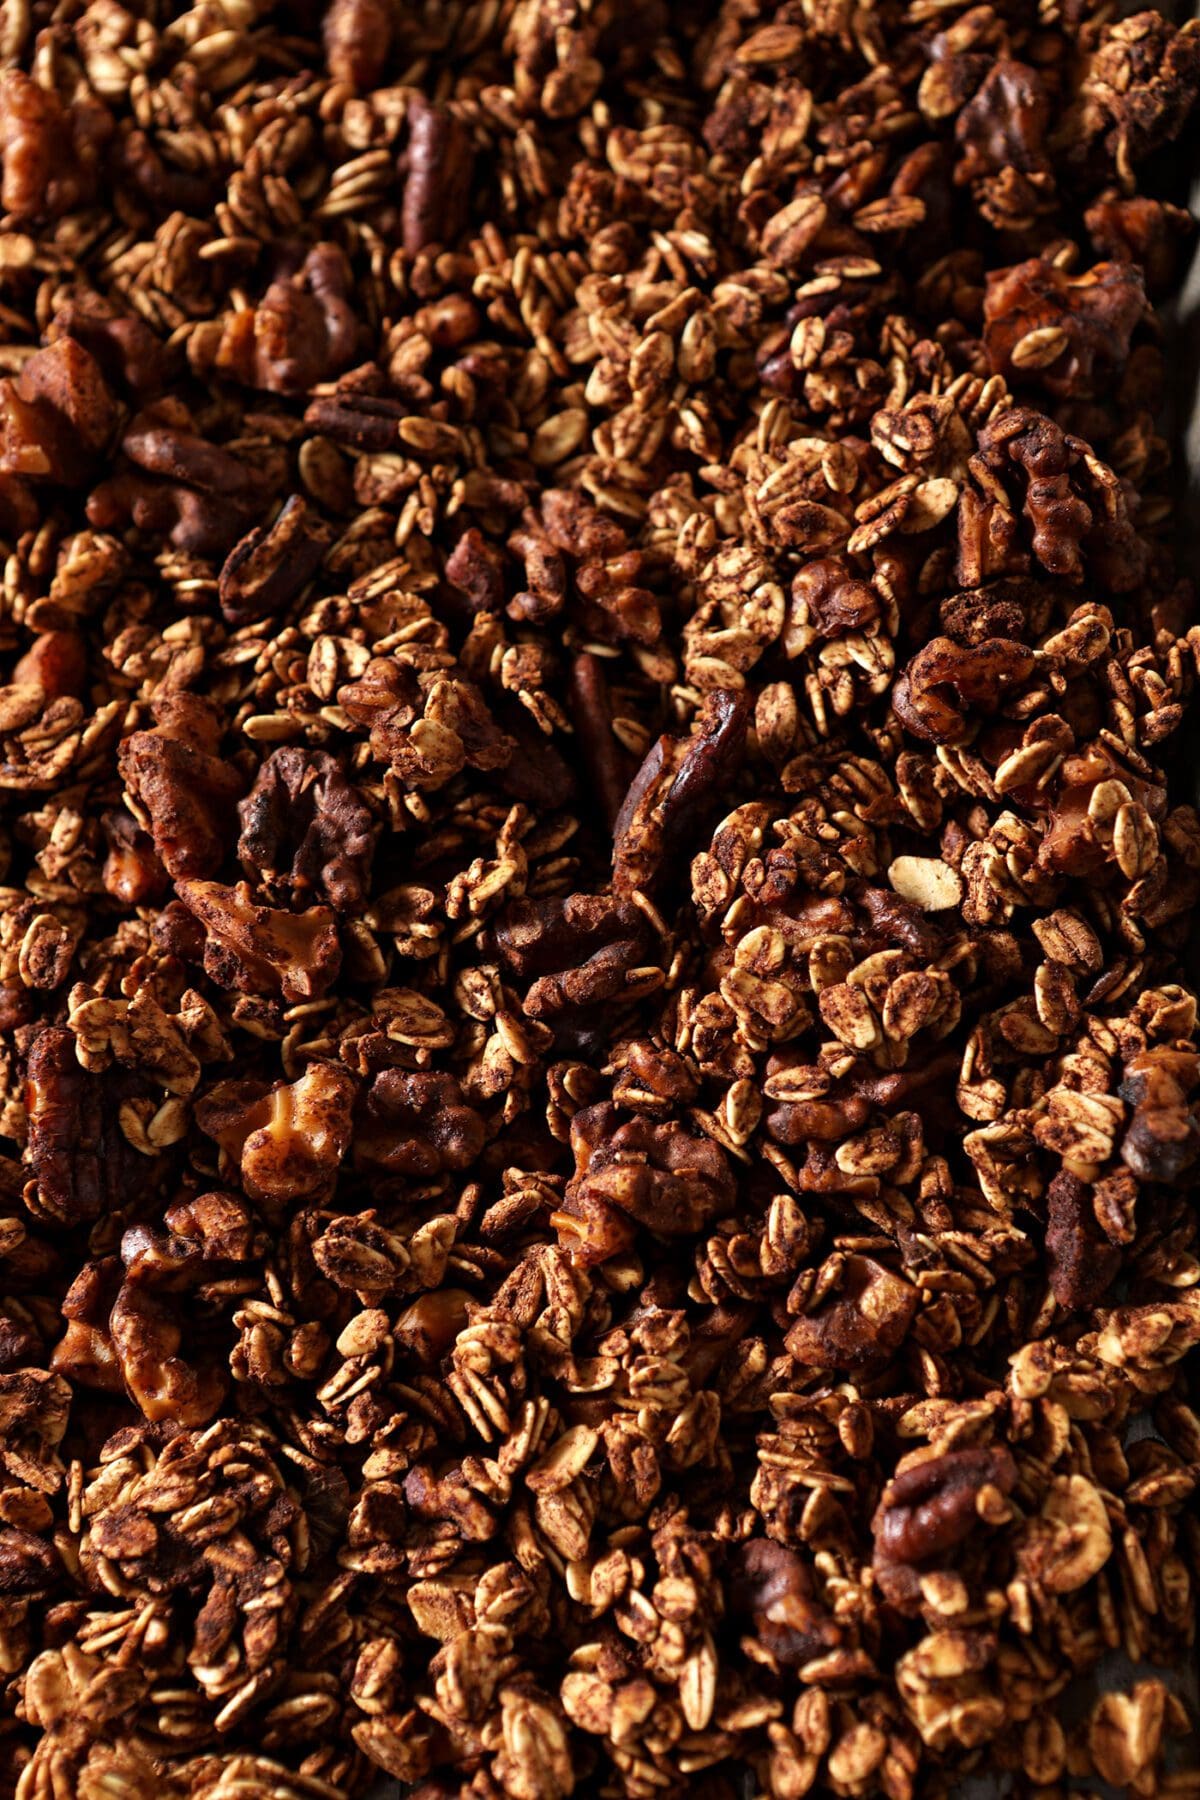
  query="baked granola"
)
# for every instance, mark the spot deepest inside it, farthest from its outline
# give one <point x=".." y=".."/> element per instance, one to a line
<point x="601" y="1090"/>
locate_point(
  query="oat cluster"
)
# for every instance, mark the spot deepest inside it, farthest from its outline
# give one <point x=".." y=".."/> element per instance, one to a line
<point x="602" y="1104"/>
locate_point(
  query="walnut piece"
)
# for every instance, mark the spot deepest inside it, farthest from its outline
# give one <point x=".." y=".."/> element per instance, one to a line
<point x="260" y="949"/>
<point x="174" y="772"/>
<point x="289" y="1141"/>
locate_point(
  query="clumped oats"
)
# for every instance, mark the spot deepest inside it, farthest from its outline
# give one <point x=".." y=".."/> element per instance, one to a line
<point x="602" y="1106"/>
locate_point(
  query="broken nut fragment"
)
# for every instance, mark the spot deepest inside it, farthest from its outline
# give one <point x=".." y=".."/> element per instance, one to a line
<point x="188" y="792"/>
<point x="867" y="1317"/>
<point x="289" y="1141"/>
<point x="664" y="1177"/>
<point x="260" y="949"/>
<point x="927" y="882"/>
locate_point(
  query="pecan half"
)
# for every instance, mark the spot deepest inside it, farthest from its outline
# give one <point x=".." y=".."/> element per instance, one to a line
<point x="274" y="563"/>
<point x="680" y="783"/>
<point x="928" y="1510"/>
<point x="583" y="951"/>
<point x="437" y="186"/>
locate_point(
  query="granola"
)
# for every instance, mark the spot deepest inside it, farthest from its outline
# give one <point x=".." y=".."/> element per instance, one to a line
<point x="600" y="1088"/>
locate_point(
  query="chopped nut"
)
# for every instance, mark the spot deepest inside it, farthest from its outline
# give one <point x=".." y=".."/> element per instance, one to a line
<point x="868" y="1318"/>
<point x="260" y="950"/>
<point x="289" y="1141"/>
<point x="927" y="882"/>
<point x="184" y="786"/>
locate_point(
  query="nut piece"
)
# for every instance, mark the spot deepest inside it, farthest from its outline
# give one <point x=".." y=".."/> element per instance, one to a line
<point x="927" y="882"/>
<point x="76" y="1156"/>
<point x="56" y="416"/>
<point x="302" y="331"/>
<point x="661" y="1176"/>
<point x="306" y="831"/>
<point x="51" y="153"/>
<point x="437" y="189"/>
<point x="288" y="1141"/>
<point x="174" y="483"/>
<point x="147" y="1334"/>
<point x="597" y="1042"/>
<point x="174" y="771"/>
<point x="680" y="781"/>
<point x="772" y="1587"/>
<point x="944" y="681"/>
<point x="416" y="1125"/>
<point x="584" y="951"/>
<point x="867" y="1318"/>
<point x="1068" y="333"/>
<point x="357" y="36"/>
<point x="265" y="572"/>
<point x="259" y="950"/>
<point x="928" y="1510"/>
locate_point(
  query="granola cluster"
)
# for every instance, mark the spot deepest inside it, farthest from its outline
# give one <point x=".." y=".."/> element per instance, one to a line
<point x="601" y="1098"/>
